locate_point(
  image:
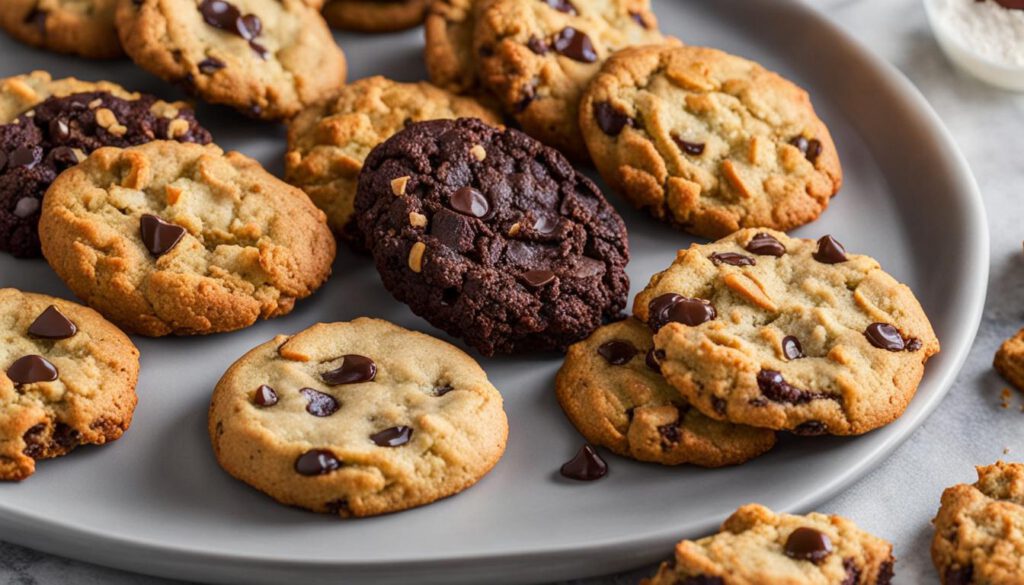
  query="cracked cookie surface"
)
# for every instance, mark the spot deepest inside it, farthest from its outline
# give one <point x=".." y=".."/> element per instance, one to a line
<point x="328" y="143"/>
<point x="788" y="334"/>
<point x="758" y="547"/>
<point x="979" y="530"/>
<point x="612" y="391"/>
<point x="266" y="58"/>
<point x="176" y="238"/>
<point x="80" y="27"/>
<point x="67" y="378"/>
<point x="357" y="419"/>
<point x="1009" y="360"/>
<point x="707" y="141"/>
<point x="375" y="16"/>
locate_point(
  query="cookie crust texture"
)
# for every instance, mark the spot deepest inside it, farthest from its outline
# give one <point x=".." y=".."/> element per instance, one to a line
<point x="78" y="27"/>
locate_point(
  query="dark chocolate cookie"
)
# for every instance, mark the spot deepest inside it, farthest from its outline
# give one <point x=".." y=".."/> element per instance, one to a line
<point x="492" y="236"/>
<point x="60" y="132"/>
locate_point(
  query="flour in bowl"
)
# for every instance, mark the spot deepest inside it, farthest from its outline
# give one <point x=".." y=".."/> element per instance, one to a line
<point x="993" y="29"/>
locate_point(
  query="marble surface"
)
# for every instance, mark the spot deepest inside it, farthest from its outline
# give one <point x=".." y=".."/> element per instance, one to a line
<point x="897" y="500"/>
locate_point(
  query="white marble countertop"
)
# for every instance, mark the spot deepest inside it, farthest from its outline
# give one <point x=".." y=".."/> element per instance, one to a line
<point x="897" y="500"/>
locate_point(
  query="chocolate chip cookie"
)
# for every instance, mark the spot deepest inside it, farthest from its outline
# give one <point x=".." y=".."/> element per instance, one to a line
<point x="788" y="334"/>
<point x="758" y="547"/>
<point x="709" y="142"/>
<point x="67" y="378"/>
<point x="357" y="419"/>
<point x="79" y="27"/>
<point x="537" y="57"/>
<point x="612" y="390"/>
<point x="177" y="238"/>
<point x="329" y="142"/>
<point x="492" y="236"/>
<point x="60" y="132"/>
<point x="448" y="52"/>
<point x="375" y="16"/>
<point x="266" y="58"/>
<point x="1010" y="360"/>
<point x="979" y="531"/>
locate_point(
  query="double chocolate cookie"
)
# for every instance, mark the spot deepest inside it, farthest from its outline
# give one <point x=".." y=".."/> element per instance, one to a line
<point x="60" y="132"/>
<point x="492" y="236"/>
<point x="79" y="27"/>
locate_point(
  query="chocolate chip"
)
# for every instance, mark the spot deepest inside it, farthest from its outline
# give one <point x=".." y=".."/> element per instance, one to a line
<point x="65" y="436"/>
<point x="265" y="396"/>
<point x="791" y="348"/>
<point x="652" y="360"/>
<point x="610" y="120"/>
<point x="617" y="352"/>
<point x="670" y="434"/>
<point x="33" y="439"/>
<point x="159" y="236"/>
<point x="227" y="17"/>
<point x="575" y="45"/>
<point x="808" y="544"/>
<point x="469" y="201"/>
<point x="812" y="428"/>
<point x="885" y="573"/>
<point x="318" y="403"/>
<point x="537" y="45"/>
<point x="525" y="101"/>
<point x="59" y="130"/>
<point x="732" y="259"/>
<point x="775" y="387"/>
<point x="317" y="462"/>
<point x="37" y="18"/>
<point x="26" y="206"/>
<point x="914" y="344"/>
<point x="810" y="148"/>
<point x="259" y="50"/>
<point x="211" y="65"/>
<point x="393" y="437"/>
<point x="538" y="278"/>
<point x="852" y="572"/>
<point x="673" y="308"/>
<point x="638" y="18"/>
<point x="587" y="465"/>
<point x="354" y="369"/>
<point x="52" y="324"/>
<point x="885" y="336"/>
<point x="765" y="245"/>
<point x="562" y="6"/>
<point x="249" y="26"/>
<point x="545" y="225"/>
<point x="442" y="390"/>
<point x="956" y="575"/>
<point x="30" y="369"/>
<point x="830" y="251"/>
<point x="25" y="156"/>
<point x="694" y="148"/>
<point x="719" y="405"/>
<point x="338" y="508"/>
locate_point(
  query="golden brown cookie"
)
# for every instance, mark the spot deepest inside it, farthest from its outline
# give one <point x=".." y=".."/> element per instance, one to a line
<point x="1010" y="360"/>
<point x="375" y="16"/>
<point x="448" y="52"/>
<point x="79" y="27"/>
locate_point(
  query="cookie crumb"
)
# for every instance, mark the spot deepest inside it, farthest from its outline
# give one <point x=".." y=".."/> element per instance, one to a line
<point x="478" y="152"/>
<point x="417" y="219"/>
<point x="398" y="186"/>
<point x="1005" y="398"/>
<point x="416" y="257"/>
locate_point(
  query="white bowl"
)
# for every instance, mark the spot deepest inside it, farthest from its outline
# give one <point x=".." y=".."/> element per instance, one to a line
<point x="990" y="71"/>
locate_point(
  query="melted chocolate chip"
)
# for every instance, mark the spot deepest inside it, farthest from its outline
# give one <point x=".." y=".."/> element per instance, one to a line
<point x="811" y="428"/>
<point x="956" y="575"/>
<point x="852" y="572"/>
<point x="538" y="278"/>
<point x="469" y="201"/>
<point x="652" y="360"/>
<point x="30" y="369"/>
<point x="673" y="308"/>
<point x="159" y="236"/>
<point x="830" y="251"/>
<point x="562" y="6"/>
<point x="810" y="148"/>
<point x="617" y="352"/>
<point x="25" y="156"/>
<point x="317" y="462"/>
<point x="765" y="245"/>
<point x="885" y="336"/>
<point x="791" y="348"/>
<point x="442" y="390"/>
<point x="575" y="45"/>
<point x="776" y="388"/>
<point x="211" y="65"/>
<point x="587" y="465"/>
<point x="692" y="148"/>
<point x="537" y="45"/>
<point x="265" y="396"/>
<point x="318" y="403"/>
<point x="732" y="259"/>
<point x="52" y="324"/>
<point x="808" y="544"/>
<point x="354" y="369"/>
<point x="610" y="120"/>
<point x="393" y="437"/>
<point x="227" y="17"/>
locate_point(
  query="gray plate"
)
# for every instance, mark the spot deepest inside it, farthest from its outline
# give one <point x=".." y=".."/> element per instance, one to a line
<point x="156" y="502"/>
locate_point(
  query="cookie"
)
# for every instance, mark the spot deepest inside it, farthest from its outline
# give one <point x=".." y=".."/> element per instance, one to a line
<point x="78" y="27"/>
<point x="537" y="57"/>
<point x="267" y="58"/>
<point x="709" y="142"/>
<point x="357" y="419"/>
<point x="19" y="93"/>
<point x="1010" y="360"/>
<point x="758" y="547"/>
<point x="67" y="378"/>
<point x="448" y="51"/>
<point x="979" y="530"/>
<point x="176" y="238"/>
<point x="492" y="236"/>
<point x="611" y="388"/>
<point x="58" y="133"/>
<point x="375" y="16"/>
<point x="329" y="142"/>
<point x="788" y="334"/>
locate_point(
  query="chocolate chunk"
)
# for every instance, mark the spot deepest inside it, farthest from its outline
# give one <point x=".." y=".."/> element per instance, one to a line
<point x="669" y="435"/>
<point x="26" y="206"/>
<point x="25" y="156"/>
<point x="852" y="572"/>
<point x="30" y="369"/>
<point x="52" y="324"/>
<point x="775" y="387"/>
<point x="227" y="17"/>
<point x="537" y="45"/>
<point x="830" y="251"/>
<point x="885" y="573"/>
<point x="732" y="259"/>
<point x="442" y="390"/>
<point x="59" y="130"/>
<point x="810" y="148"/>
<point x="587" y="465"/>
<point x="791" y="348"/>
<point x="914" y="344"/>
<point x="545" y="225"/>
<point x="811" y="428"/>
<point x="885" y="336"/>
<point x="469" y="201"/>
<point x="617" y="352"/>
<point x="575" y="45"/>
<point x="211" y="65"/>
<point x="33" y="439"/>
<point x="673" y="308"/>
<point x="354" y="369"/>
<point x="159" y="236"/>
<point x="719" y="405"/>
<point x="638" y="18"/>
<point x="65" y="436"/>
<point x="957" y="575"/>
<point x="765" y="245"/>
<point x="808" y="544"/>
<point x="393" y="437"/>
<point x="562" y="6"/>
<point x="610" y="120"/>
<point x="693" y="148"/>
<point x="265" y="396"/>
<point x="318" y="403"/>
<point x="538" y="278"/>
<point x="652" y="360"/>
<point x="317" y="462"/>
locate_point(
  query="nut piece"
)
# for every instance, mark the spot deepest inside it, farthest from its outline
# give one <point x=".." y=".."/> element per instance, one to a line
<point x="105" y="118"/>
<point x="478" y="152"/>
<point x="398" y="186"/>
<point x="95" y="103"/>
<point x="417" y="219"/>
<point x="176" y="128"/>
<point x="514" y="230"/>
<point x="416" y="257"/>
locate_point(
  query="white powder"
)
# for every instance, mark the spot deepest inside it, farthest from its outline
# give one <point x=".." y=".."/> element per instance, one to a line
<point x="986" y="28"/>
